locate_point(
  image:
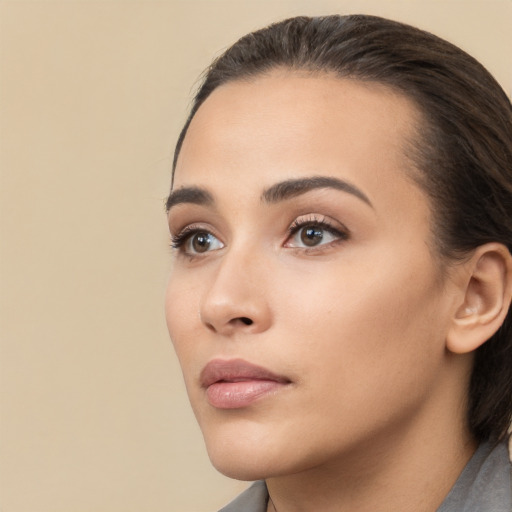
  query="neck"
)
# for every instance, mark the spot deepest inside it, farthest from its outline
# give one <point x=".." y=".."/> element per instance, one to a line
<point x="393" y="479"/>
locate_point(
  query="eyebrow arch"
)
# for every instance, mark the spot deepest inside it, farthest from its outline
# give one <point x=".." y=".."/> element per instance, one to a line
<point x="194" y="195"/>
<point x="295" y="187"/>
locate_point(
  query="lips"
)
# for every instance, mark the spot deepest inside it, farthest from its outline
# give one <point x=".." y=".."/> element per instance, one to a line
<point x="235" y="383"/>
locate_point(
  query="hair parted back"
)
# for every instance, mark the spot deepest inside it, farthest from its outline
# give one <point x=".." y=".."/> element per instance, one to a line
<point x="463" y="151"/>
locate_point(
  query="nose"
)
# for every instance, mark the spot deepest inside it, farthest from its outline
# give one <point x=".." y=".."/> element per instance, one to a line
<point x="236" y="300"/>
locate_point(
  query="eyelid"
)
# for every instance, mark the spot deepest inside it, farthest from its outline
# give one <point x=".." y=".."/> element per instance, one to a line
<point x="319" y="219"/>
<point x="183" y="215"/>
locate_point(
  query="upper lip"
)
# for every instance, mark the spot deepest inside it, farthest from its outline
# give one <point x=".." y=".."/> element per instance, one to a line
<point x="236" y="370"/>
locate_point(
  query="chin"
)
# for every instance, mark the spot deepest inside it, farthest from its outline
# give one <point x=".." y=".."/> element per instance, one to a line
<point x="240" y="464"/>
<point x="242" y="456"/>
<point x="238" y="469"/>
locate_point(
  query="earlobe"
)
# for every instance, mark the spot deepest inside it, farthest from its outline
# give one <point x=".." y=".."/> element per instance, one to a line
<point x="487" y="292"/>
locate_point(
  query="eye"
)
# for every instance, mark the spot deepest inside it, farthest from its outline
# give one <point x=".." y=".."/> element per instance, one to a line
<point x="196" y="241"/>
<point x="308" y="233"/>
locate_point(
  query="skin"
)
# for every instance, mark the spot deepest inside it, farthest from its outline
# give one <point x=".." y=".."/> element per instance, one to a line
<point x="357" y="324"/>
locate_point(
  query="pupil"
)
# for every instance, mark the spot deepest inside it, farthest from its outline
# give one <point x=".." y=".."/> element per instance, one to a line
<point x="311" y="236"/>
<point x="201" y="242"/>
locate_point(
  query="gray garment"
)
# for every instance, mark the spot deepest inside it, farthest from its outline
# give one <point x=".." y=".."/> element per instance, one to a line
<point x="485" y="485"/>
<point x="253" y="499"/>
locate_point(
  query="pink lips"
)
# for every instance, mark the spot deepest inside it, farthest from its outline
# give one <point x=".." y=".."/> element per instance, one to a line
<point x="235" y="383"/>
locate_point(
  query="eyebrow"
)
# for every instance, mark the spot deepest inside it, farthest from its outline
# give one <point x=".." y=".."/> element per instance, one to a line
<point x="295" y="187"/>
<point x="194" y="195"/>
<point x="279" y="192"/>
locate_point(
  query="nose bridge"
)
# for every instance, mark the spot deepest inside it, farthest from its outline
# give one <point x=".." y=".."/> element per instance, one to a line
<point x="236" y="298"/>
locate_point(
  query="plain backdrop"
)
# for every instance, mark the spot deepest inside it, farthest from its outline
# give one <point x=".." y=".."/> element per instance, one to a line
<point x="94" y="416"/>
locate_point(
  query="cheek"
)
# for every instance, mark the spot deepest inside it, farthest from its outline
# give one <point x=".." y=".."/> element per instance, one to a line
<point x="182" y="316"/>
<point x="368" y="326"/>
<point x="181" y="312"/>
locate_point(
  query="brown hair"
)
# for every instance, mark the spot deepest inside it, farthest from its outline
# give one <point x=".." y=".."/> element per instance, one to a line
<point x="463" y="153"/>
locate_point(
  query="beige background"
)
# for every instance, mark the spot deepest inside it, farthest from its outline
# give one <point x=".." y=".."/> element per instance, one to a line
<point x="92" y="95"/>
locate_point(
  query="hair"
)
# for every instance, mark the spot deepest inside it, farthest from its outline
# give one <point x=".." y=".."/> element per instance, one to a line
<point x="462" y="151"/>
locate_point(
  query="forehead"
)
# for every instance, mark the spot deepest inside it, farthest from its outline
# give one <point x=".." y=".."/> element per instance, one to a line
<point x="248" y="135"/>
<point x="268" y="118"/>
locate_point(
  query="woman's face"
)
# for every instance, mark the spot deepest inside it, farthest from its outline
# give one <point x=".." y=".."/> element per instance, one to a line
<point x="304" y="302"/>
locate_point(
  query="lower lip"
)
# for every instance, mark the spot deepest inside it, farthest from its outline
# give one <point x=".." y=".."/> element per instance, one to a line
<point x="235" y="395"/>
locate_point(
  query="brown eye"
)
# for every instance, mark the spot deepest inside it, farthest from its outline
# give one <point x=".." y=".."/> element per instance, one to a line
<point x="200" y="242"/>
<point x="314" y="233"/>
<point x="195" y="241"/>
<point x="311" y="236"/>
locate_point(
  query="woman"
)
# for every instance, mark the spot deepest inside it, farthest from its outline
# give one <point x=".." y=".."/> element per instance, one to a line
<point x="341" y="222"/>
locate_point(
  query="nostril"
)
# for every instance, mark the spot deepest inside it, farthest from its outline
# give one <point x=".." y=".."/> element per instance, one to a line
<point x="246" y="321"/>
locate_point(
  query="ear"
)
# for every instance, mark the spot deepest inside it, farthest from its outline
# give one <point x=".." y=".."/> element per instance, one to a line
<point x="486" y="296"/>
